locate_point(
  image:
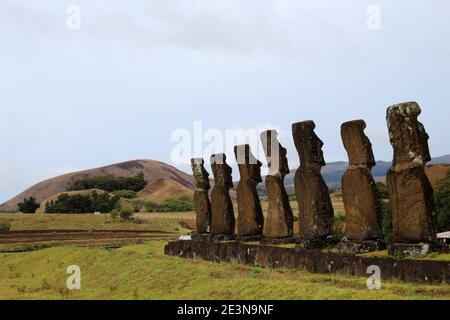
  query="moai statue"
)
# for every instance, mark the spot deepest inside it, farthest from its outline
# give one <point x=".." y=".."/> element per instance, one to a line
<point x="250" y="221"/>
<point x="223" y="221"/>
<point x="362" y="207"/>
<point x="316" y="214"/>
<point x="201" y="198"/>
<point x="280" y="219"/>
<point x="410" y="191"/>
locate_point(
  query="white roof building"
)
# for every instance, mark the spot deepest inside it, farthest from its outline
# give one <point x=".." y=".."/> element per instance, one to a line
<point x="444" y="235"/>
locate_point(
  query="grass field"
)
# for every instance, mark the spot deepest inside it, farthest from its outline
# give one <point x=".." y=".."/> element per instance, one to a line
<point x="148" y="221"/>
<point x="142" y="272"/>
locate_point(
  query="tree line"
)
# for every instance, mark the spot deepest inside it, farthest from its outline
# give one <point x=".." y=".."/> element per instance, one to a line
<point x="109" y="183"/>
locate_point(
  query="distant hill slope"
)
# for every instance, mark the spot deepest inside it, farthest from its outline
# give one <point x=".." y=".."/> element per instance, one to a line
<point x="164" y="189"/>
<point x="333" y="171"/>
<point x="165" y="181"/>
<point x="153" y="171"/>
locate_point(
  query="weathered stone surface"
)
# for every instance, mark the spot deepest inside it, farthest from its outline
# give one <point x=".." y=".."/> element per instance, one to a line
<point x="411" y="194"/>
<point x="358" y="247"/>
<point x="362" y="207"/>
<point x="280" y="219"/>
<point x="316" y="261"/>
<point x="316" y="211"/>
<point x="250" y="221"/>
<point x="416" y="250"/>
<point x="201" y="198"/>
<point x="223" y="220"/>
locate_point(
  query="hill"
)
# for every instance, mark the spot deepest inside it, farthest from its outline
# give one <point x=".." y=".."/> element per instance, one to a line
<point x="165" y="181"/>
<point x="153" y="171"/>
<point x="163" y="189"/>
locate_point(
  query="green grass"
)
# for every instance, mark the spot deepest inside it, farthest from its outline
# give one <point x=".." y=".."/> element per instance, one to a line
<point x="142" y="272"/>
<point x="84" y="222"/>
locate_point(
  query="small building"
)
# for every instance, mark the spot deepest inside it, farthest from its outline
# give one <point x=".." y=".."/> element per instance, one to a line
<point x="444" y="237"/>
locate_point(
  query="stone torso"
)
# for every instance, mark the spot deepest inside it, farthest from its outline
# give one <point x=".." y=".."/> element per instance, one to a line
<point x="316" y="214"/>
<point x="250" y="220"/>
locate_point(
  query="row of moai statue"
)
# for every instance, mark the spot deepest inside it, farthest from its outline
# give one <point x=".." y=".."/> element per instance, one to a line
<point x="411" y="194"/>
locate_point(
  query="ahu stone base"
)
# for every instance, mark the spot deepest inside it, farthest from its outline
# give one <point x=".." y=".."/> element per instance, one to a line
<point x="316" y="244"/>
<point x="315" y="261"/>
<point x="278" y="241"/>
<point x="404" y="250"/>
<point x="357" y="247"/>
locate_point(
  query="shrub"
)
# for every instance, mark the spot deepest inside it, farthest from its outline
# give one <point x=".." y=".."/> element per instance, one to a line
<point x="442" y="203"/>
<point x="126" y="213"/>
<point x="137" y="205"/>
<point x="170" y="205"/>
<point x="338" y="226"/>
<point x="115" y="214"/>
<point x="386" y="227"/>
<point x="29" y="205"/>
<point x="122" y="213"/>
<point x="4" y="226"/>
<point x="127" y="194"/>
<point x="94" y="202"/>
<point x="109" y="183"/>
<point x="382" y="189"/>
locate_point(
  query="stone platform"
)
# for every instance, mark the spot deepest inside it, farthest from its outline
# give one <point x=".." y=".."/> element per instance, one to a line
<point x="316" y="261"/>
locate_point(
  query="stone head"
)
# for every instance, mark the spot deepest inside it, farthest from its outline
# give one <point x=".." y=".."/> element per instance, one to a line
<point x="200" y="174"/>
<point x="249" y="166"/>
<point x="357" y="144"/>
<point x="407" y="135"/>
<point x="275" y="153"/>
<point x="221" y="170"/>
<point x="308" y="144"/>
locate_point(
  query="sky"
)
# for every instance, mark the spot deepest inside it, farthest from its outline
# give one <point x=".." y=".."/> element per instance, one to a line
<point x="135" y="72"/>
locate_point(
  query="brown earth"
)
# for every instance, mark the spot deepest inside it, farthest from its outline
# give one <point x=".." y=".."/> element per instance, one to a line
<point x="163" y="189"/>
<point x="153" y="171"/>
<point x="435" y="172"/>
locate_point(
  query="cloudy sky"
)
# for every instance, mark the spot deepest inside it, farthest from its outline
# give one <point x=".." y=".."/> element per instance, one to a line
<point x="136" y="71"/>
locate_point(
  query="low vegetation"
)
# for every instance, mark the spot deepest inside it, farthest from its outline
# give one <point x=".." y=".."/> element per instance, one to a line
<point x="170" y="205"/>
<point x="442" y="203"/>
<point x="76" y="204"/>
<point x="5" y="226"/>
<point x="29" y="205"/>
<point x="122" y="213"/>
<point x="166" y="222"/>
<point x="109" y="183"/>
<point x="143" y="272"/>
<point x="127" y="194"/>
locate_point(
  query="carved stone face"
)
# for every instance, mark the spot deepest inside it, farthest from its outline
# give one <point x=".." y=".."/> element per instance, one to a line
<point x="408" y="136"/>
<point x="249" y="166"/>
<point x="275" y="153"/>
<point x="357" y="144"/>
<point x="222" y="171"/>
<point x="200" y="174"/>
<point x="308" y="144"/>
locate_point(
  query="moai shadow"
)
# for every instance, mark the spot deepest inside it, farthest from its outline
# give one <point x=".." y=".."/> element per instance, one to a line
<point x="278" y="225"/>
<point x="410" y="191"/>
<point x="316" y="214"/>
<point x="362" y="206"/>
<point x="201" y="198"/>
<point x="250" y="221"/>
<point x="223" y="220"/>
